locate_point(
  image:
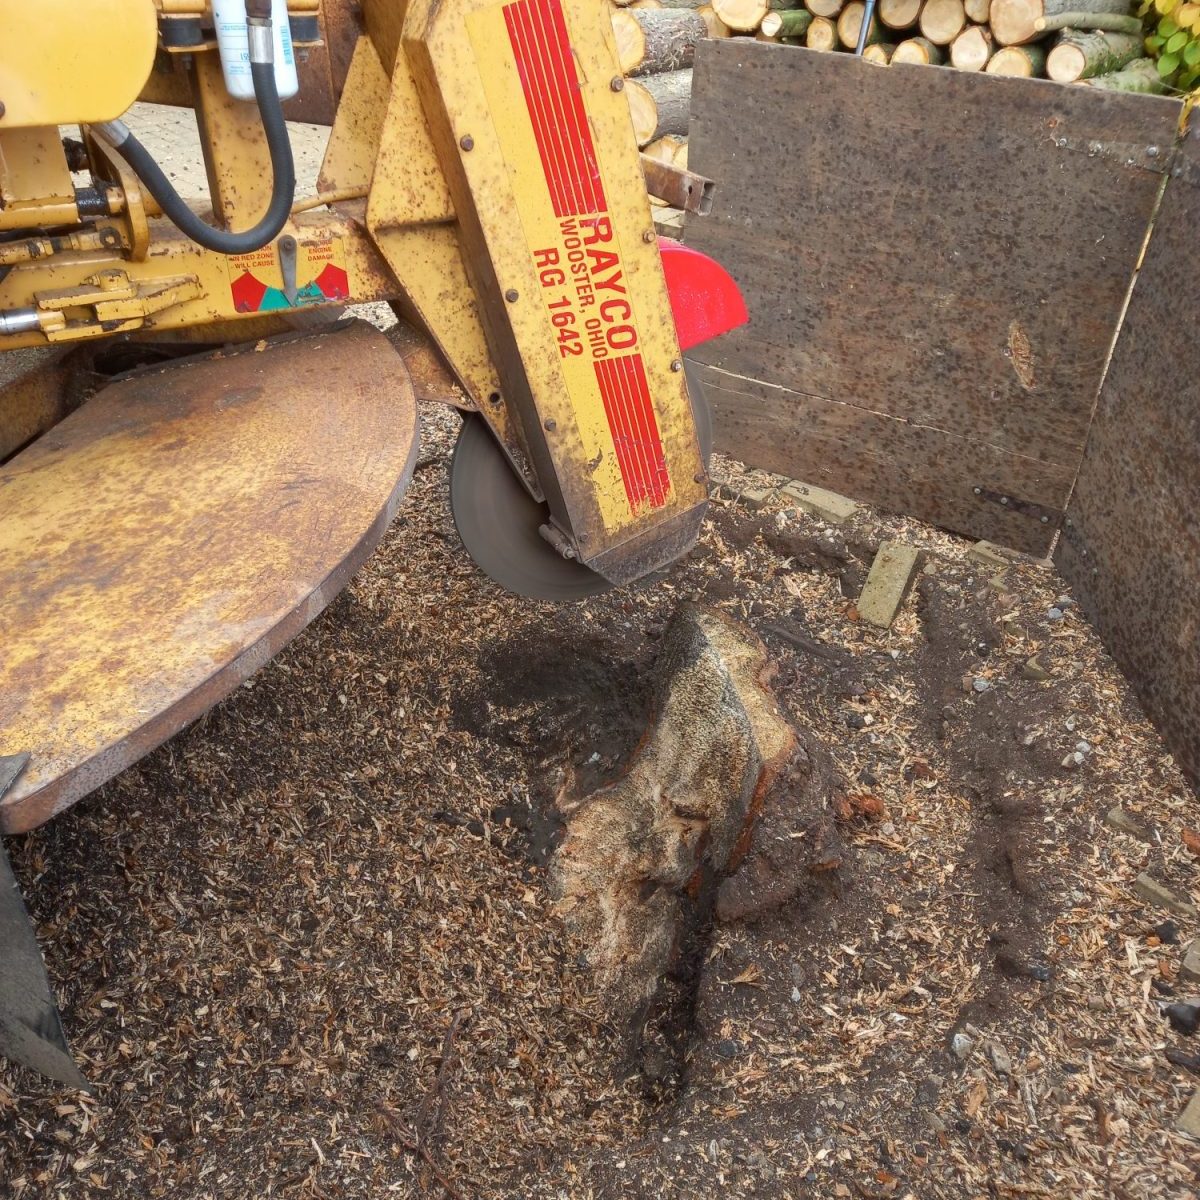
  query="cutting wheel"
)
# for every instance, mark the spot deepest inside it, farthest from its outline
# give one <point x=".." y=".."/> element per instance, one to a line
<point x="498" y="520"/>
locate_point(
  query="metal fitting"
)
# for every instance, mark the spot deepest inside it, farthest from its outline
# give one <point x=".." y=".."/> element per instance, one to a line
<point x="467" y="142"/>
<point x="19" y="320"/>
<point x="262" y="41"/>
<point x="512" y="295"/>
<point x="116" y="132"/>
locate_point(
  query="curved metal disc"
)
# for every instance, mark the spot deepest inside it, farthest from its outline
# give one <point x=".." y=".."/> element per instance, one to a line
<point x="165" y="540"/>
<point x="498" y="520"/>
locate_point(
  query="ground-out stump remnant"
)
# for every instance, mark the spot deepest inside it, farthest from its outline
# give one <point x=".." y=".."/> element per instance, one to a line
<point x="642" y="853"/>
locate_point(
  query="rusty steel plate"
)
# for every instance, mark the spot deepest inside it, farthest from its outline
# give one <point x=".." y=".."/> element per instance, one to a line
<point x="934" y="273"/>
<point x="1130" y="546"/>
<point x="163" y="542"/>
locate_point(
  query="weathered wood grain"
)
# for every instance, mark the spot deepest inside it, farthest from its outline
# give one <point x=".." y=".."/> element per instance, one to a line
<point x="1131" y="544"/>
<point x="938" y="250"/>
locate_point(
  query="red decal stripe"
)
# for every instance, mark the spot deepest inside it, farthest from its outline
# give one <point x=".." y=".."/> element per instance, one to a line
<point x="626" y="395"/>
<point x="546" y="66"/>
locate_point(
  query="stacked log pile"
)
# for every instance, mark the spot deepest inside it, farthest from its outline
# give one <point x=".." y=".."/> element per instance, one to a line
<point x="1099" y="43"/>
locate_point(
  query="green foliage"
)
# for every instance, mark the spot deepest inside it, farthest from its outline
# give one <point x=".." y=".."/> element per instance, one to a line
<point x="1173" y="40"/>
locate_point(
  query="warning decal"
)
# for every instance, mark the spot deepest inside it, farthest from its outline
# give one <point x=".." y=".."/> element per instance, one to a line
<point x="257" y="282"/>
<point x="576" y="253"/>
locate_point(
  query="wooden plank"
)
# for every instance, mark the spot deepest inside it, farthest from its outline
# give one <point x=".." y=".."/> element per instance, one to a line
<point x="930" y="247"/>
<point x="894" y="463"/>
<point x="1131" y="545"/>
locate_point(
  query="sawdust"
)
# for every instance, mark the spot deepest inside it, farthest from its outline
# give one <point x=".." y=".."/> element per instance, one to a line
<point x="262" y="933"/>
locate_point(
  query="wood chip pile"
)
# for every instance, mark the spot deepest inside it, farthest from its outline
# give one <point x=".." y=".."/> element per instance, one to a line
<point x="1100" y="43"/>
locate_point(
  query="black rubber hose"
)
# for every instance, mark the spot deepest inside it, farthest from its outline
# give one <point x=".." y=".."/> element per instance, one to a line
<point x="283" y="188"/>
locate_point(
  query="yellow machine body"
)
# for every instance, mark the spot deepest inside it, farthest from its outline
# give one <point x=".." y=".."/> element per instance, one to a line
<point x="481" y="176"/>
<point x="62" y="62"/>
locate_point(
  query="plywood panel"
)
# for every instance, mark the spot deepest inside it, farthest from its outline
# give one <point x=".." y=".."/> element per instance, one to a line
<point x="942" y="249"/>
<point x="1131" y="545"/>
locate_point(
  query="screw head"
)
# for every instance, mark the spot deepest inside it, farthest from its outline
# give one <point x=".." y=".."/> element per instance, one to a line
<point x="677" y="365"/>
<point x="467" y="142"/>
<point x="699" y="477"/>
<point x="550" y="425"/>
<point x="2" y="109"/>
<point x="648" y="236"/>
<point x="977" y="491"/>
<point x="512" y="295"/>
<point x="617" y="84"/>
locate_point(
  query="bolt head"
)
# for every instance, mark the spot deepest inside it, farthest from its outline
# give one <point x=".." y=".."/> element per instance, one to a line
<point x="467" y="142"/>
<point x="677" y="365"/>
<point x="512" y="295"/>
<point x="2" y="109"/>
<point x="550" y="425"/>
<point x="617" y="84"/>
<point x="648" y="236"/>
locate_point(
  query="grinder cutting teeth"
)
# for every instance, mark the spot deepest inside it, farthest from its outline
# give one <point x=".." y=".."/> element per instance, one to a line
<point x="507" y="531"/>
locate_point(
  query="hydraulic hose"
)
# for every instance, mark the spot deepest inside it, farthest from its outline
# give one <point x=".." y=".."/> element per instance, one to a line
<point x="283" y="187"/>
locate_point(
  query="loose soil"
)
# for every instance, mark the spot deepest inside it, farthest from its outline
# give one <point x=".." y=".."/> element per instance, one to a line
<point x="262" y="933"/>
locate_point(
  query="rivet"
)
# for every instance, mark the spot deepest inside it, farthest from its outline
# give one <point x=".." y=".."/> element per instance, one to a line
<point x="1" y="108"/>
<point x="977" y="491"/>
<point x="550" y="425"/>
<point x="677" y="365"/>
<point x="617" y="84"/>
<point x="467" y="142"/>
<point x="648" y="236"/>
<point x="1003" y="499"/>
<point x="512" y="295"/>
<point x="1045" y="520"/>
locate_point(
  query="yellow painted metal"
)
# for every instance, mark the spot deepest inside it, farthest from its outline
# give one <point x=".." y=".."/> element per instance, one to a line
<point x="500" y="189"/>
<point x="321" y="237"/>
<point x="436" y="128"/>
<point x="111" y="300"/>
<point x="62" y="62"/>
<point x="409" y="187"/>
<point x="172" y="534"/>
<point x="356" y="136"/>
<point x="235" y="148"/>
<point x="33" y="170"/>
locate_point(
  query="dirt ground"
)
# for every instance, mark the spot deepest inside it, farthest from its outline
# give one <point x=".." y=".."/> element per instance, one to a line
<point x="263" y="933"/>
<point x="314" y="931"/>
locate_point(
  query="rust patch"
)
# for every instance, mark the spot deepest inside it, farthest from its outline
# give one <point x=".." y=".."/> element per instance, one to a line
<point x="164" y="541"/>
<point x="1020" y="354"/>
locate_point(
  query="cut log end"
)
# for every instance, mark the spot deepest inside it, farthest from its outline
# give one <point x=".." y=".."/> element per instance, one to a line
<point x="821" y="35"/>
<point x="745" y="16"/>
<point x="972" y="48"/>
<point x="1024" y="62"/>
<point x="941" y="21"/>
<point x="918" y="50"/>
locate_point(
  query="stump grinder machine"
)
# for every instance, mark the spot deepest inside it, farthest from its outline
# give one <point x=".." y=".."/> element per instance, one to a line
<point x="198" y="447"/>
